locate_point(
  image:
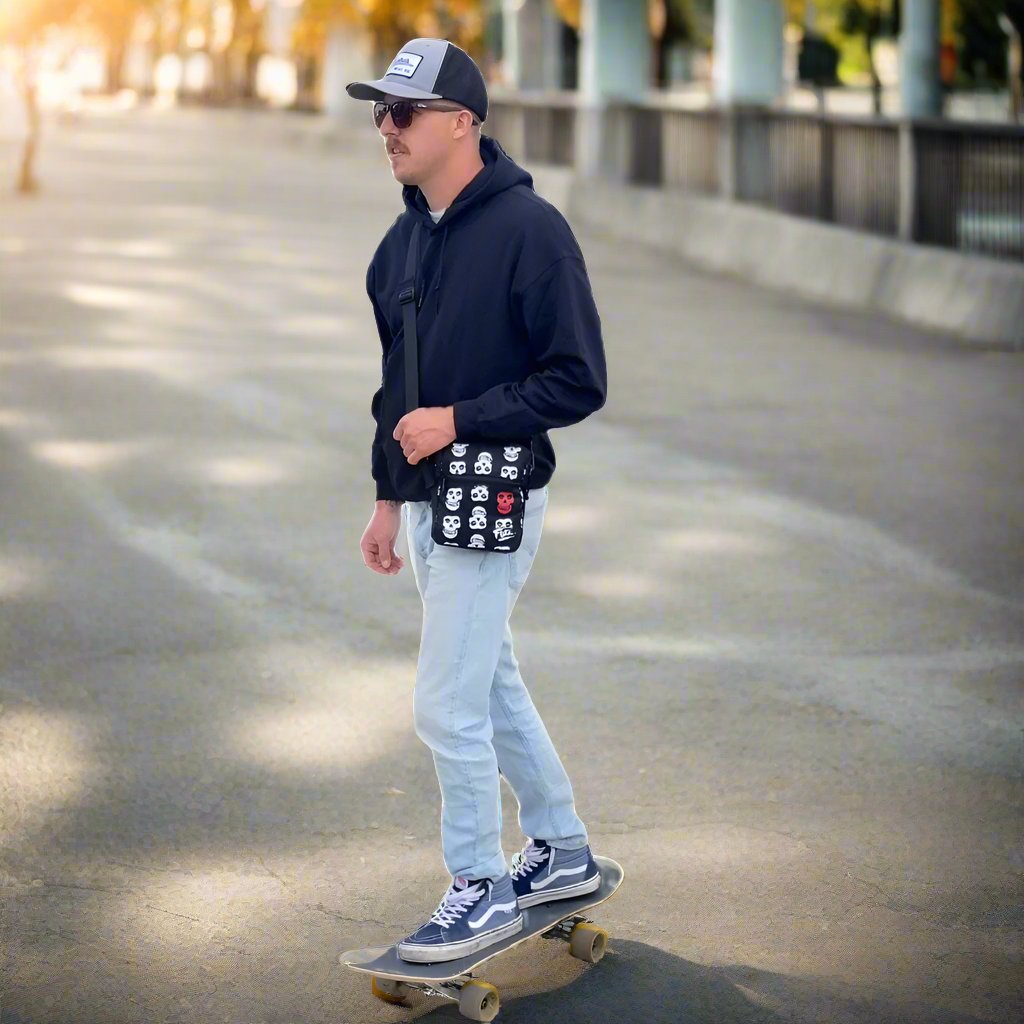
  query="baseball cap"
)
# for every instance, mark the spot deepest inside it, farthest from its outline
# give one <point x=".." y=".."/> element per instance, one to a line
<point x="429" y="69"/>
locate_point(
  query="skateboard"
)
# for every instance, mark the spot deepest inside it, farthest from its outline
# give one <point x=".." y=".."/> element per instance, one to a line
<point x="392" y="978"/>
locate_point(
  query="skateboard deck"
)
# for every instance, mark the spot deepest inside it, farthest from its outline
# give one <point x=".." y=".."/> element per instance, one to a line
<point x="393" y="977"/>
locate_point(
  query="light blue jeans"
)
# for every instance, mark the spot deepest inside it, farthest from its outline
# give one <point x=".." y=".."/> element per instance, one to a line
<point x="471" y="706"/>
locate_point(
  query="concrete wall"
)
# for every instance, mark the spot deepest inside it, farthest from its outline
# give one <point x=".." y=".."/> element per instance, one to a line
<point x="977" y="298"/>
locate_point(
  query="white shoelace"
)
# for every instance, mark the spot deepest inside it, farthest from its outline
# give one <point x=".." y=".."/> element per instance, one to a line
<point x="455" y="903"/>
<point x="528" y="858"/>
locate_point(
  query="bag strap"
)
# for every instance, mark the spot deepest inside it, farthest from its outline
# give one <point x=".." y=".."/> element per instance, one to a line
<point x="411" y="302"/>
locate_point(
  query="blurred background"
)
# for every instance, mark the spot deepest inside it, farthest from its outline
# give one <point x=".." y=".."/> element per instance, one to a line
<point x="775" y="622"/>
<point x="815" y="90"/>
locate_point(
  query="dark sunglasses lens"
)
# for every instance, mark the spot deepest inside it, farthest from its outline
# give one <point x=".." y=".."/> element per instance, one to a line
<point x="401" y="113"/>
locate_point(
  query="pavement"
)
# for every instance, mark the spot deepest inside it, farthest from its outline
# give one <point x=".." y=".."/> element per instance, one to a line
<point x="775" y="625"/>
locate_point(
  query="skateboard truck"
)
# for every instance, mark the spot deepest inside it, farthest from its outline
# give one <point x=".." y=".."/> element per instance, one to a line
<point x="479" y="1000"/>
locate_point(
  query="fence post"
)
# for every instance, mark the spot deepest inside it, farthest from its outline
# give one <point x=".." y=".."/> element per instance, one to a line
<point x="907" y="205"/>
<point x="728" y="141"/>
<point x="616" y="142"/>
<point x="826" y="169"/>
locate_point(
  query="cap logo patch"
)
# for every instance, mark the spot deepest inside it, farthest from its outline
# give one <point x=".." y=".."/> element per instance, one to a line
<point x="405" y="64"/>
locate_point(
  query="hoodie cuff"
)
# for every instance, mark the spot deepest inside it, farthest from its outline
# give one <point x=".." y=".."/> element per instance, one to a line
<point x="385" y="492"/>
<point x="464" y="417"/>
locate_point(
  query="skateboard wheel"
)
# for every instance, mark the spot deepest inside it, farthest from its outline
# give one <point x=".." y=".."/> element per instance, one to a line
<point x="587" y="942"/>
<point x="389" y="990"/>
<point x="479" y="1000"/>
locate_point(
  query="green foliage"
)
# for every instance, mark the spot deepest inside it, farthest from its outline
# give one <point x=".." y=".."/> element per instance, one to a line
<point x="981" y="42"/>
<point x="391" y="22"/>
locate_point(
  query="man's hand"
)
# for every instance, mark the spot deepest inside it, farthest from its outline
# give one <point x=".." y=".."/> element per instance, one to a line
<point x="378" y="540"/>
<point x="425" y="431"/>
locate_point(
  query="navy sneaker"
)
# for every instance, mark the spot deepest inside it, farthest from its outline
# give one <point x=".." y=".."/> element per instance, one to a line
<point x="541" y="873"/>
<point x="472" y="915"/>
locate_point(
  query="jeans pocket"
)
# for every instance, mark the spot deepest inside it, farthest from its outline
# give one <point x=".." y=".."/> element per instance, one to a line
<point x="419" y="528"/>
<point x="521" y="560"/>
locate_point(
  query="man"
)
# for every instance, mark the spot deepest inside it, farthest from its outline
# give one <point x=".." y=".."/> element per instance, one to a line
<point x="510" y="345"/>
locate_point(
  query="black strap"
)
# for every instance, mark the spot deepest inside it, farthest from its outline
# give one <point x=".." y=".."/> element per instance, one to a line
<point x="410" y="304"/>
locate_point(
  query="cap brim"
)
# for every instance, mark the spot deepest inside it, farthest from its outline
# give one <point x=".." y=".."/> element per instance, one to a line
<point x="388" y="86"/>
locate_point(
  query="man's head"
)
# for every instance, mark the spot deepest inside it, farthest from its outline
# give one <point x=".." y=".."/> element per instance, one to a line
<point x="424" y="136"/>
<point x="442" y="100"/>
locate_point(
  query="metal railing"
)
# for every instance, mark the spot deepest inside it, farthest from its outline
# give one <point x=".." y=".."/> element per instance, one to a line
<point x="537" y="126"/>
<point x="970" y="187"/>
<point x="954" y="184"/>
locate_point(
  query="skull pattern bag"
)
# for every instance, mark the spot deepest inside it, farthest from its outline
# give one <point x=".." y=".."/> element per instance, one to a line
<point x="479" y="495"/>
<point x="478" y="489"/>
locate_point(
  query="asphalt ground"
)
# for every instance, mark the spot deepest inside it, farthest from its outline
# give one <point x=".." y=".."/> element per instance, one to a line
<point x="774" y="626"/>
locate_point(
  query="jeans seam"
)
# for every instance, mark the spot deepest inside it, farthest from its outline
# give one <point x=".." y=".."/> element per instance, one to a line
<point x="529" y="753"/>
<point x="451" y="711"/>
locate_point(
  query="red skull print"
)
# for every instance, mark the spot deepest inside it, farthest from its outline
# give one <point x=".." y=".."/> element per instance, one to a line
<point x="505" y="502"/>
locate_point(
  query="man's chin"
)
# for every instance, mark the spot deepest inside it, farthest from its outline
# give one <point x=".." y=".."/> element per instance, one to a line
<point x="403" y="177"/>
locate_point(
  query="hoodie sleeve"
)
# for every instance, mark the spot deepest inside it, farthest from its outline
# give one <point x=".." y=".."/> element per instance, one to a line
<point x="378" y="459"/>
<point x="563" y="330"/>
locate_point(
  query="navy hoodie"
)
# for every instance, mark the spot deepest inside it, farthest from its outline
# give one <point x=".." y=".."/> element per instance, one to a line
<point x="508" y="331"/>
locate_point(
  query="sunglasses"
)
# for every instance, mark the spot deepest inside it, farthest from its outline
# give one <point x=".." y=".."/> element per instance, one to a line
<point x="402" y="110"/>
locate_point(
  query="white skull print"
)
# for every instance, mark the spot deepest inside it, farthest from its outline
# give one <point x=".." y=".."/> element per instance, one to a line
<point x="512" y="453"/>
<point x="479" y="493"/>
<point x="457" y="468"/>
<point x="483" y="463"/>
<point x="477" y="540"/>
<point x="453" y="497"/>
<point x="478" y="518"/>
<point x="503" y="529"/>
<point x="450" y="526"/>
<point x="510" y="472"/>
<point x="458" y="449"/>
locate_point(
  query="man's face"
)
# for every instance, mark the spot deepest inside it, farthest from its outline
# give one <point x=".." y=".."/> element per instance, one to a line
<point x="418" y="151"/>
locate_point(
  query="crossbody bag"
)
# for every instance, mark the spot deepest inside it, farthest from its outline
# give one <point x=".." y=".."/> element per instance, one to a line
<point x="478" y="489"/>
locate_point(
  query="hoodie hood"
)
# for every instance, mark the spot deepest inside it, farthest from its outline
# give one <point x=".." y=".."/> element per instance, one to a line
<point x="500" y="172"/>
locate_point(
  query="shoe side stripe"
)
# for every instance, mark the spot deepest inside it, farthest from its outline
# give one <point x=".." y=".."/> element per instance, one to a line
<point x="561" y="871"/>
<point x="496" y="908"/>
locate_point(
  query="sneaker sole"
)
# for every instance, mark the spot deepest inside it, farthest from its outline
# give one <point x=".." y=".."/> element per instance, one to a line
<point x="455" y="950"/>
<point x="580" y="889"/>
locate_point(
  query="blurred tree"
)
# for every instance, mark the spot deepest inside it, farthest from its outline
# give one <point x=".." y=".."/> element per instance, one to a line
<point x="246" y="46"/>
<point x="388" y="23"/>
<point x="982" y="44"/>
<point x="568" y="11"/>
<point x="677" y="26"/>
<point x="870" y="19"/>
<point x="24" y="25"/>
<point x="114" y="21"/>
<point x="972" y="26"/>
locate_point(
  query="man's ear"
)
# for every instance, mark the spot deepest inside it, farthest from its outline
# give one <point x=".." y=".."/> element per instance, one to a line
<point x="463" y="123"/>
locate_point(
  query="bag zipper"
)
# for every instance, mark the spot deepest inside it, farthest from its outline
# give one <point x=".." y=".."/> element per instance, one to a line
<point x="502" y="481"/>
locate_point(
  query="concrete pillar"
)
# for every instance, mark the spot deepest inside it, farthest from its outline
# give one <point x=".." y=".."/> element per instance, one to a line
<point x="530" y="36"/>
<point x="615" y="61"/>
<point x="748" y="51"/>
<point x="552" y="46"/>
<point x="920" y="86"/>
<point x="348" y="56"/>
